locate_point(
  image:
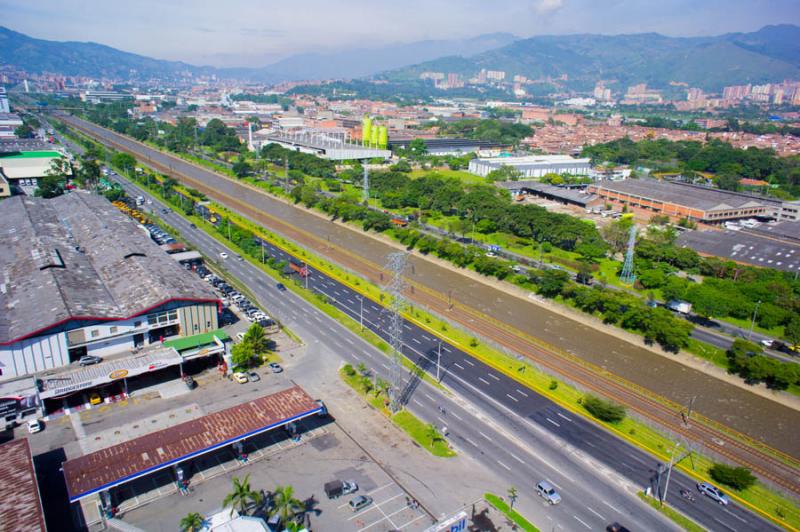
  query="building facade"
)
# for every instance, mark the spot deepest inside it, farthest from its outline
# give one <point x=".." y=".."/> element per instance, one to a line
<point x="532" y="166"/>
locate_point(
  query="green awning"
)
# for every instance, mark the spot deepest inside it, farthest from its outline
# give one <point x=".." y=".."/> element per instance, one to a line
<point x="198" y="340"/>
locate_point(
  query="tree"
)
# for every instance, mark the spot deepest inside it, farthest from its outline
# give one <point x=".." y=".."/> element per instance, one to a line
<point x="49" y="186"/>
<point x="504" y="173"/>
<point x="255" y="339"/>
<point x="551" y="282"/>
<point x="90" y="170"/>
<point x="512" y="496"/>
<point x="241" y="168"/>
<point x="286" y="505"/>
<point x="241" y="354"/>
<point x="124" y="160"/>
<point x="24" y="131"/>
<point x="192" y="522"/>
<point x="431" y="433"/>
<point x="418" y="148"/>
<point x="791" y="331"/>
<point x="242" y="496"/>
<point x="739" y="478"/>
<point x="604" y="410"/>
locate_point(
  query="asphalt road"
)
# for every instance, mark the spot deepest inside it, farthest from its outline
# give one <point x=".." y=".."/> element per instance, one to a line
<point x="512" y="430"/>
<point x="760" y="417"/>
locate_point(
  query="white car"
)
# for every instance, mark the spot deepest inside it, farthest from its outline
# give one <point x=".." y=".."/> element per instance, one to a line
<point x="223" y="255"/>
<point x="34" y="426"/>
<point x="239" y="377"/>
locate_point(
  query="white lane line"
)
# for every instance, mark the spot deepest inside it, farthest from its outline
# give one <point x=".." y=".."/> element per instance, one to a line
<point x="407" y="326"/>
<point x="495" y="377"/>
<point x="458" y="366"/>
<point x="349" y="341"/>
<point x="416" y="341"/>
<point x="417" y="402"/>
<point x="405" y="525"/>
<point x="428" y="396"/>
<point x="456" y="416"/>
<point x="384" y="366"/>
<point x="368" y="354"/>
<point x="595" y="513"/>
<point x="581" y="522"/>
<point x="472" y="442"/>
<point x="734" y="515"/>
<point x="484" y="381"/>
<point x="523" y="394"/>
<point x="562" y="416"/>
<point x="445" y="348"/>
<point x="484" y="435"/>
<point x="517" y="458"/>
<point x="553" y="422"/>
<point x="590" y="444"/>
<point x="638" y="459"/>
<point x="468" y="361"/>
<point x="609" y="505"/>
<point x="723" y="524"/>
<point x="512" y="398"/>
<point x="503" y="465"/>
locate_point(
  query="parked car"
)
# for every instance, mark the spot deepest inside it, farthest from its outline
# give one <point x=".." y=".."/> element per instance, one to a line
<point x="546" y="491"/>
<point x="240" y="336"/>
<point x="362" y="501"/>
<point x="616" y="527"/>
<point x="275" y="367"/>
<point x="34" y="426"/>
<point x="95" y="399"/>
<point x="88" y="360"/>
<point x="337" y="488"/>
<point x="239" y="377"/>
<point x="253" y="376"/>
<point x="713" y="492"/>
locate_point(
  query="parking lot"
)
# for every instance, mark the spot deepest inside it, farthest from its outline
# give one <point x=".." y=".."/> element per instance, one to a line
<point x="324" y="455"/>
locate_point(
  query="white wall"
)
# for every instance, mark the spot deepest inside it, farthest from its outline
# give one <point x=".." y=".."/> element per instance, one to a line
<point x="34" y="355"/>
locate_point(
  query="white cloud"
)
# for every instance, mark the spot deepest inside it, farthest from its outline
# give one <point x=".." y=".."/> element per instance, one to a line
<point x="545" y="7"/>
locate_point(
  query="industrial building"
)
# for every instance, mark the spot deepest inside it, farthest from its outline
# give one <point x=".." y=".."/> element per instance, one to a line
<point x="683" y="200"/>
<point x="22" y="169"/>
<point x="9" y="122"/>
<point x="326" y="145"/>
<point x="19" y="489"/>
<point x="78" y="278"/>
<point x="532" y="166"/>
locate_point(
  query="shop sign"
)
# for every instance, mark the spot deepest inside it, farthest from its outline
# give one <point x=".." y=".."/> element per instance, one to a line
<point x="118" y="374"/>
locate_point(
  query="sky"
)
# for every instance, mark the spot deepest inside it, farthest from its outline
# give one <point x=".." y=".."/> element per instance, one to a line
<point x="259" y="32"/>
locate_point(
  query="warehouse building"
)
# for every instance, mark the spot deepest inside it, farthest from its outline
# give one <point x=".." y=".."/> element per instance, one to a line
<point x="684" y="200"/>
<point x="79" y="278"/>
<point x="532" y="166"/>
<point x="23" y="169"/>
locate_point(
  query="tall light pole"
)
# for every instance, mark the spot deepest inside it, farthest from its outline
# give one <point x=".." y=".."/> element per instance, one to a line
<point x="753" y="322"/>
<point x="669" y="472"/>
<point x="361" y="313"/>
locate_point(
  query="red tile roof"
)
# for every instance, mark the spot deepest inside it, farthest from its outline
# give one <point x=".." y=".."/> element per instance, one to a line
<point x="123" y="462"/>
<point x="21" y="507"/>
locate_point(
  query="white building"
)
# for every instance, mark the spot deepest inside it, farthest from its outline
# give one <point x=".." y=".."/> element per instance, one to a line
<point x="532" y="166"/>
<point x="4" y="107"/>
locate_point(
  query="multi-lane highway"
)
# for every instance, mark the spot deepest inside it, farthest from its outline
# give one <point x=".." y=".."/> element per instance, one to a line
<point x="512" y="321"/>
<point x="520" y="435"/>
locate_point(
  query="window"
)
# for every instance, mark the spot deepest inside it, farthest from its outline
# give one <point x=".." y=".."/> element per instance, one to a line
<point x="112" y="330"/>
<point x="95" y="333"/>
<point x="162" y="318"/>
<point x="137" y="324"/>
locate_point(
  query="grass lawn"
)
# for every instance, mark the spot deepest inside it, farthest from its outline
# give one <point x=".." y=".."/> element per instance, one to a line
<point x="776" y="332"/>
<point x="461" y="175"/>
<point x="503" y="507"/>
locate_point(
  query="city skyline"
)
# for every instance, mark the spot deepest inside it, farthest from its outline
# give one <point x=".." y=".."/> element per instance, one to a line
<point x="241" y="33"/>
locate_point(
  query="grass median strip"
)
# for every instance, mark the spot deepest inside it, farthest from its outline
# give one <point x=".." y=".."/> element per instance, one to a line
<point x="502" y="506"/>
<point x="373" y="391"/>
<point x="674" y="515"/>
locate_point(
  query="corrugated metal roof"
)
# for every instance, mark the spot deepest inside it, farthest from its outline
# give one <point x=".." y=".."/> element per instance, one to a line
<point x="123" y="462"/>
<point x="21" y="507"/>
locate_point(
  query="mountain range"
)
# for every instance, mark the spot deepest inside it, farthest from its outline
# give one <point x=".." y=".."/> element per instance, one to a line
<point x="770" y="54"/>
<point x="97" y="60"/>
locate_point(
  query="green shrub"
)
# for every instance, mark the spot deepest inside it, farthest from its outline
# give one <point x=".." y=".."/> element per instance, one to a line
<point x="604" y="410"/>
<point x="553" y="385"/>
<point x="348" y="370"/>
<point x="739" y="478"/>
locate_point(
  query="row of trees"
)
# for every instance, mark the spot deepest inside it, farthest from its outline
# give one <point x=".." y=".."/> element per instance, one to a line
<point x="304" y="163"/>
<point x="747" y="360"/>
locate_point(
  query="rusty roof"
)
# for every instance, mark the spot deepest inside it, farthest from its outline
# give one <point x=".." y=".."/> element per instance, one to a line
<point x="126" y="461"/>
<point x="21" y="507"/>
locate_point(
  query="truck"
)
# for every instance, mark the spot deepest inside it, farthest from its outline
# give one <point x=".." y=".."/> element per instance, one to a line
<point x="140" y="200"/>
<point x="400" y="222"/>
<point x="300" y="268"/>
<point x="337" y="488"/>
<point x="681" y="307"/>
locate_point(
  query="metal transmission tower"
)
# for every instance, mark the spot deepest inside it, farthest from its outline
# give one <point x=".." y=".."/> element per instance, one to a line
<point x="627" y="276"/>
<point x="366" y="185"/>
<point x="396" y="267"/>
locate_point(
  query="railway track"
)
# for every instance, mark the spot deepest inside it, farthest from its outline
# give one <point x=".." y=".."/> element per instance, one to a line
<point x="770" y="464"/>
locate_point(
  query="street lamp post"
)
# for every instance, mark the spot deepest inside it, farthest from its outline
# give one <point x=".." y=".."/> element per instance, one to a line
<point x="669" y="472"/>
<point x="361" y="313"/>
<point x="753" y="322"/>
<point x="439" y="362"/>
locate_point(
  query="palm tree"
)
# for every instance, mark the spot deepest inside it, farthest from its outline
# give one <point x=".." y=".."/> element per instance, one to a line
<point x="512" y="496"/>
<point x="193" y="522"/>
<point x="255" y="338"/>
<point x="242" y="496"/>
<point x="432" y="433"/>
<point x="285" y="504"/>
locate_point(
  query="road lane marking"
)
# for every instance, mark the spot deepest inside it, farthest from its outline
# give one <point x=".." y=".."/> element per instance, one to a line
<point x="553" y="422"/>
<point x="472" y="442"/>
<point x="445" y="348"/>
<point x="458" y="366"/>
<point x="484" y="381"/>
<point x="725" y="525"/>
<point x="407" y="326"/>
<point x="502" y="464"/>
<point x="495" y="377"/>
<point x="428" y="396"/>
<point x="517" y="458"/>
<point x="595" y="513"/>
<point x="634" y="457"/>
<point x="609" y="505"/>
<point x="562" y="416"/>
<point x="468" y="361"/>
<point x="484" y="435"/>
<point x="523" y="394"/>
<point x="512" y="398"/>
<point x="733" y="515"/>
<point x="418" y="403"/>
<point x="581" y="522"/>
<point x="416" y="341"/>
<point x="349" y="341"/>
<point x="456" y="416"/>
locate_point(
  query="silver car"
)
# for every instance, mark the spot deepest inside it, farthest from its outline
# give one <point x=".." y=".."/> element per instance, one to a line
<point x="546" y="491"/>
<point x="713" y="493"/>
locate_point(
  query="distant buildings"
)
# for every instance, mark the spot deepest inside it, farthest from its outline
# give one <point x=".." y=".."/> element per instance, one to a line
<point x="532" y="166"/>
<point x="640" y="94"/>
<point x="4" y="107"/>
<point x="98" y="96"/>
<point x="8" y="123"/>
